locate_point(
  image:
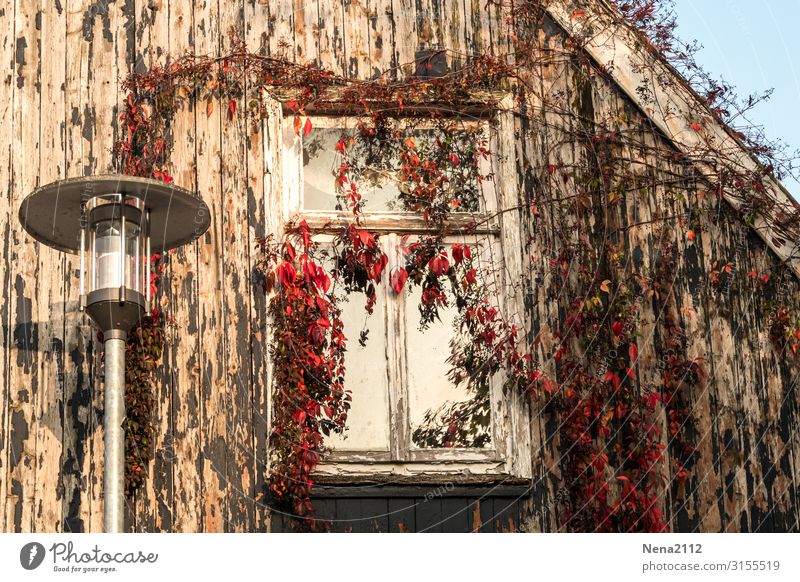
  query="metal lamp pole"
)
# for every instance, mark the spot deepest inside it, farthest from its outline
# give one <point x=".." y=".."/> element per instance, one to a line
<point x="114" y="223"/>
<point x="114" y="438"/>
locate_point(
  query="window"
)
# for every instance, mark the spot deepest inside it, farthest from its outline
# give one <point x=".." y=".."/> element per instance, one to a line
<point x="408" y="417"/>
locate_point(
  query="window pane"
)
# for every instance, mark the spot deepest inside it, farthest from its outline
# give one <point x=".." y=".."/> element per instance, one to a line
<point x="375" y="166"/>
<point x="321" y="162"/>
<point x="441" y="413"/>
<point x="366" y="377"/>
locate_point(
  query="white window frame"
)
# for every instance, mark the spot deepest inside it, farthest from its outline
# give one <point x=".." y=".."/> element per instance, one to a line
<point x="509" y="457"/>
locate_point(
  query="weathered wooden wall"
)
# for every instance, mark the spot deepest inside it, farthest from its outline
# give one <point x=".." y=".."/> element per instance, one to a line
<point x="65" y="62"/>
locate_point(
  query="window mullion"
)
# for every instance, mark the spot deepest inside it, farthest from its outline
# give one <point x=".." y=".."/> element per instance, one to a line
<point x="395" y="328"/>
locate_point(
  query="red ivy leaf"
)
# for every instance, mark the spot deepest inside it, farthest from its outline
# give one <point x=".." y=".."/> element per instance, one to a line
<point x="439" y="265"/>
<point x="471" y="277"/>
<point x="633" y="352"/>
<point x="305" y="234"/>
<point x="366" y="238"/>
<point x="231" y="109"/>
<point x="290" y="252"/>
<point x="307" y="127"/>
<point x="297" y="124"/>
<point x="458" y="253"/>
<point x="398" y="279"/>
<point x="378" y="266"/>
<point x="286" y="274"/>
<point x="613" y="378"/>
<point x="653" y="398"/>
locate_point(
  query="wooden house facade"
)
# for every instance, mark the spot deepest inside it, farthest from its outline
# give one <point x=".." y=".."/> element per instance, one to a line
<point x="60" y="99"/>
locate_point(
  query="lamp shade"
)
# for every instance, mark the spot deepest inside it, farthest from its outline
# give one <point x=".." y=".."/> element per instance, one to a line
<point x="52" y="214"/>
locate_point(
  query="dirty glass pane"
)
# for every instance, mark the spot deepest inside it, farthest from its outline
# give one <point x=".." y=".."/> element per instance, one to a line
<point x="366" y="377"/>
<point x="320" y="164"/>
<point x="375" y="166"/>
<point x="442" y="414"/>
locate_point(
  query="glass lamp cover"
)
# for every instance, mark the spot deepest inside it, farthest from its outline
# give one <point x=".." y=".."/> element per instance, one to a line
<point x="106" y="260"/>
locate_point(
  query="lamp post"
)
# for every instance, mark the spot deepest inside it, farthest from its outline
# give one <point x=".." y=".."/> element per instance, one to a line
<point x="114" y="223"/>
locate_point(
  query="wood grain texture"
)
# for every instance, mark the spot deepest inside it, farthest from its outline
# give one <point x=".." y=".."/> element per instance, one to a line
<point x="212" y="322"/>
<point x="404" y="37"/>
<point x="79" y="339"/>
<point x="279" y="38"/>
<point x="48" y="491"/>
<point x="184" y="448"/>
<point x="23" y="366"/>
<point x="7" y="90"/>
<point x="59" y="105"/>
<point x="152" y="508"/>
<point x="263" y="195"/>
<point x="236" y="288"/>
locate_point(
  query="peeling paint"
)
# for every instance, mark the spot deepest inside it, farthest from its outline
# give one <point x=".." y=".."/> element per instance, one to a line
<point x="19" y="58"/>
<point x="19" y="434"/>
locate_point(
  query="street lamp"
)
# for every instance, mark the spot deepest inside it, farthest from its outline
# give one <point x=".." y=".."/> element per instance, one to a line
<point x="114" y="223"/>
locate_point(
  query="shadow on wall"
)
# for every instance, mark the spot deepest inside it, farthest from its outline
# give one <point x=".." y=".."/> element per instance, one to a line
<point x="65" y="376"/>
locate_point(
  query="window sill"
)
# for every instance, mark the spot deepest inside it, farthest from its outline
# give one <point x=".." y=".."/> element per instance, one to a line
<point x="406" y="484"/>
<point x="448" y="472"/>
<point x="417" y="490"/>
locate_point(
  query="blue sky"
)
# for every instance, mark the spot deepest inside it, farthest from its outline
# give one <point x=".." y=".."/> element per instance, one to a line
<point x="754" y="45"/>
